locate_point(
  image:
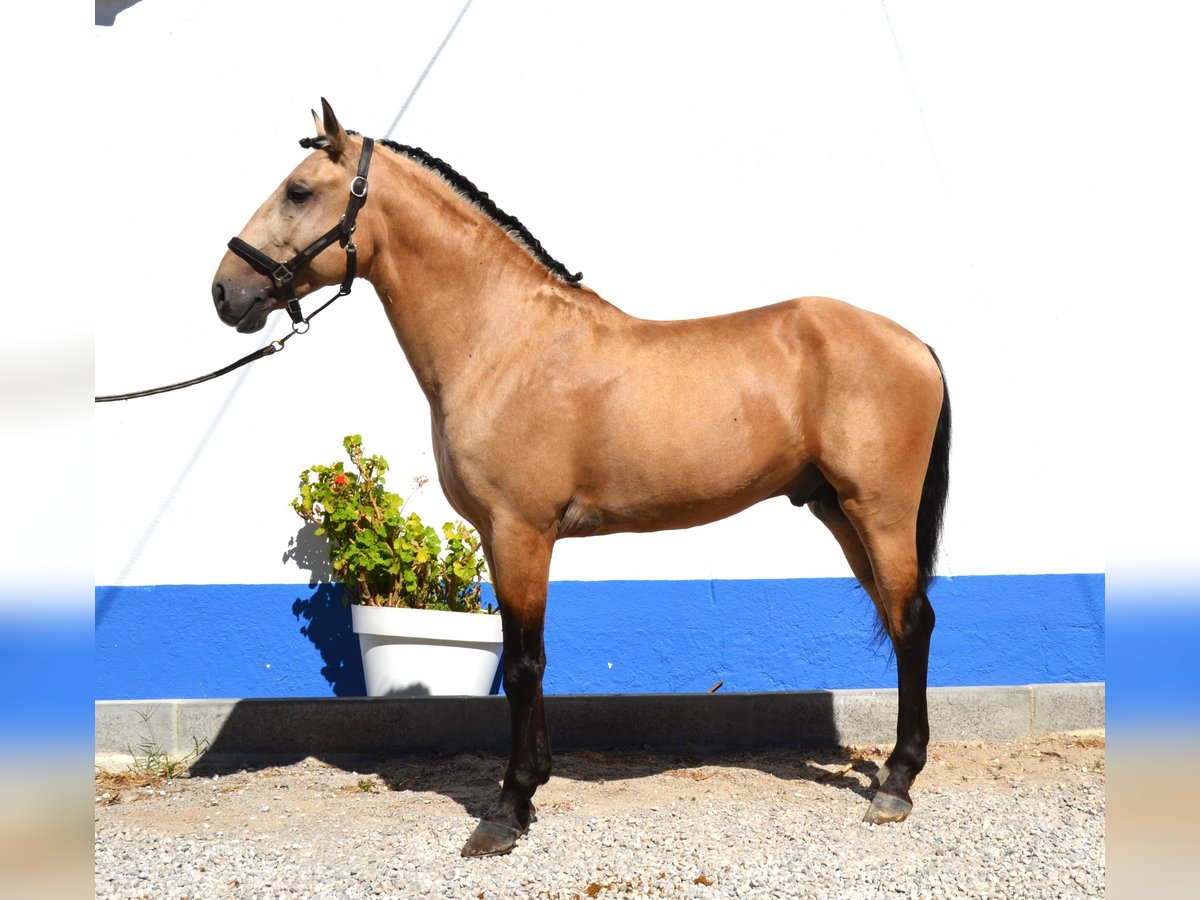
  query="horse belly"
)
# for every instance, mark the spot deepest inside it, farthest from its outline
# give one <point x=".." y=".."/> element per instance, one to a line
<point x="684" y="464"/>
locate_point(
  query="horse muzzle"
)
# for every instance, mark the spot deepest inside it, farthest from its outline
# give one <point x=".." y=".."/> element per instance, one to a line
<point x="242" y="307"/>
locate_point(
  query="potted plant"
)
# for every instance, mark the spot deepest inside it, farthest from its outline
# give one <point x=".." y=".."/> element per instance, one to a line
<point x="415" y="596"/>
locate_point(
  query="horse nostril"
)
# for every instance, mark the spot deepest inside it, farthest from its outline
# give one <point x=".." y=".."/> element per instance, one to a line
<point x="218" y="292"/>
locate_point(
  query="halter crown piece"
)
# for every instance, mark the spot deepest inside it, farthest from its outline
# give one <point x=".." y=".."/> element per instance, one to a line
<point x="282" y="274"/>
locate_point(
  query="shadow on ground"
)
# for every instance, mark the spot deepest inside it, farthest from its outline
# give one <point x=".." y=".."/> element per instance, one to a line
<point x="457" y="746"/>
<point x="473" y="779"/>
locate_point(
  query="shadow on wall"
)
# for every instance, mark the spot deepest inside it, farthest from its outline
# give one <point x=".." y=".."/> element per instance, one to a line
<point x="325" y="615"/>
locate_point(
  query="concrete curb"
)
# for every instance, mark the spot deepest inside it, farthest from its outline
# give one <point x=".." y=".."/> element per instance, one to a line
<point x="296" y="728"/>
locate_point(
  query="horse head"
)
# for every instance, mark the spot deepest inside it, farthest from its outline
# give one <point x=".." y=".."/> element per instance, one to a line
<point x="277" y="258"/>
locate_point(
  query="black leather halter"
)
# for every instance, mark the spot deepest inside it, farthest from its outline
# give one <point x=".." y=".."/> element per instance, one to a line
<point x="282" y="274"/>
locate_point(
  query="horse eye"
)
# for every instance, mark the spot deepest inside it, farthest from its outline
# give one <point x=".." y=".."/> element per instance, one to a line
<point x="298" y="195"/>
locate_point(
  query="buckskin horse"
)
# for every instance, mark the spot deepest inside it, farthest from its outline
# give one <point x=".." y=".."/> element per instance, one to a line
<point x="555" y="414"/>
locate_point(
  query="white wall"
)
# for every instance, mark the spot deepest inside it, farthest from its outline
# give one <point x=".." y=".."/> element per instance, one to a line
<point x="935" y="165"/>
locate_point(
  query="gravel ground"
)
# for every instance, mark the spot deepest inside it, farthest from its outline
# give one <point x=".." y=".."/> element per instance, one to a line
<point x="992" y="819"/>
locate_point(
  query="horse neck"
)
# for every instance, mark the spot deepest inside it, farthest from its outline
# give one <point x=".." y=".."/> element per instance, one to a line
<point x="454" y="286"/>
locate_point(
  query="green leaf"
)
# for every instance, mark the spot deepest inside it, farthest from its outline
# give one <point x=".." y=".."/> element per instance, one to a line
<point x="381" y="554"/>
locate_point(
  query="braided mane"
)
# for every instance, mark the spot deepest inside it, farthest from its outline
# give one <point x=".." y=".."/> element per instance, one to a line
<point x="465" y="188"/>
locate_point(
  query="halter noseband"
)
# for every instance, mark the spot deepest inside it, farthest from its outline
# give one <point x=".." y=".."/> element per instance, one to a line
<point x="282" y="275"/>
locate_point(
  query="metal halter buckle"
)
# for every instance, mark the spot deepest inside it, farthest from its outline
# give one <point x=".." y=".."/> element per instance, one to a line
<point x="358" y="187"/>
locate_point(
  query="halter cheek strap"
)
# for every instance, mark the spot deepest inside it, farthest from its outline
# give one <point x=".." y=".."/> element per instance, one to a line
<point x="282" y="274"/>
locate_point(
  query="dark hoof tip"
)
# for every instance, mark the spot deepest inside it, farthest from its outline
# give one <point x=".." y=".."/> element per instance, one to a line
<point x="887" y="808"/>
<point x="490" y="839"/>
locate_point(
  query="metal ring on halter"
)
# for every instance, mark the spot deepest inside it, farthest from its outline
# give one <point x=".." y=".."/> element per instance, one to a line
<point x="296" y="329"/>
<point x="358" y="187"/>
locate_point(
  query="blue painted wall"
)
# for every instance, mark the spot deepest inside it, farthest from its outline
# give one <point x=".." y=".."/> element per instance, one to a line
<point x="235" y="641"/>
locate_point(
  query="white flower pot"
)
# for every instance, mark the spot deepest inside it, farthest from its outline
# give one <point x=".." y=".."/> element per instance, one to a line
<point x="427" y="652"/>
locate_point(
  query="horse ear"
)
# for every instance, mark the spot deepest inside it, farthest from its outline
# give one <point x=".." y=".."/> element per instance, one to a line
<point x="332" y="129"/>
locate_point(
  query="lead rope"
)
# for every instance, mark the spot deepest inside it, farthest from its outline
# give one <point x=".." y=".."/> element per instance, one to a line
<point x="299" y="327"/>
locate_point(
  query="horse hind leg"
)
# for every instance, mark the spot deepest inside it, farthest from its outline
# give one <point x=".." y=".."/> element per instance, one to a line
<point x="884" y="560"/>
<point x="909" y="621"/>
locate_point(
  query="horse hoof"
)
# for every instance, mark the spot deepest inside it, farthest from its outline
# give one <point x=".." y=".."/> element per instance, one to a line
<point x="490" y="839"/>
<point x="887" y="808"/>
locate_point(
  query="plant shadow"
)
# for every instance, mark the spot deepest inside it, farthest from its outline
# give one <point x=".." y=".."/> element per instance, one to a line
<point x="325" y="616"/>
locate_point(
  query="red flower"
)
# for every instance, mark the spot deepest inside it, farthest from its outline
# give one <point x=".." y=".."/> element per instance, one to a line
<point x="339" y="480"/>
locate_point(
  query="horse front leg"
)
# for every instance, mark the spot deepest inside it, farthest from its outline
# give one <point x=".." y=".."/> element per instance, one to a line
<point x="520" y="572"/>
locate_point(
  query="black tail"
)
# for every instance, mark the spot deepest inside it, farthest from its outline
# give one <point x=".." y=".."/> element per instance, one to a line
<point x="934" y="491"/>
